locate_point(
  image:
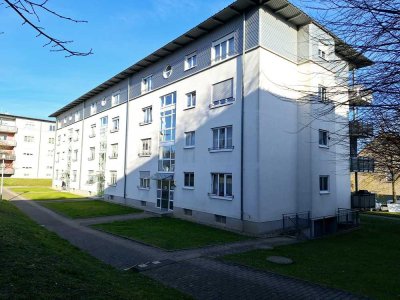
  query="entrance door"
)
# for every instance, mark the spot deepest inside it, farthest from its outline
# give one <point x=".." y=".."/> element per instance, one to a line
<point x="165" y="194"/>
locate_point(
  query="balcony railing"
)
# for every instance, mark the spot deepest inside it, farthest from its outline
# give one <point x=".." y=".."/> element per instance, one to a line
<point x="359" y="96"/>
<point x="360" y="129"/>
<point x="8" y="143"/>
<point x="362" y="164"/>
<point x="363" y="200"/>
<point x="8" y="129"/>
<point x="9" y="171"/>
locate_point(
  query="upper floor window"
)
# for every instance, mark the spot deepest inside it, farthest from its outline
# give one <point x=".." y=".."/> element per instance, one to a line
<point x="76" y="138"/>
<point x="52" y="128"/>
<point x="168" y="99"/>
<point x="190" y="61"/>
<point x="323" y="138"/>
<point x="190" y="139"/>
<point x="92" y="153"/>
<point x="104" y="121"/>
<point x="188" y="179"/>
<point x="147" y="115"/>
<point x="75" y="157"/>
<point x="168" y="119"/>
<point x="115" y="98"/>
<point x="324" y="184"/>
<point x="77" y="116"/>
<point x="191" y="99"/>
<point x="115" y="124"/>
<point x="92" y="130"/>
<point x="222" y="138"/>
<point x="113" y="178"/>
<point x="323" y="50"/>
<point x="93" y="108"/>
<point x="222" y="93"/>
<point x="223" y="48"/>
<point x="147" y="84"/>
<point x="322" y="94"/>
<point x="146" y="148"/>
<point x="29" y="139"/>
<point x="74" y="175"/>
<point x="51" y="140"/>
<point x="114" y="151"/>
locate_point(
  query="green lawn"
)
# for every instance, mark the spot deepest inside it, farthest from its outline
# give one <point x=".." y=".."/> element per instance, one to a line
<point x="382" y="214"/>
<point x="37" y="264"/>
<point x="26" y="182"/>
<point x="43" y="193"/>
<point x="170" y="233"/>
<point x="365" y="261"/>
<point x="89" y="209"/>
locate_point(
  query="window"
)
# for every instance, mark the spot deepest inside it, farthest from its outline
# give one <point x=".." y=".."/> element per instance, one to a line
<point x="191" y="100"/>
<point x="57" y="157"/>
<point x="189" y="179"/>
<point x="50" y="152"/>
<point x="191" y="61"/>
<point x="144" y="181"/>
<point x="93" y="108"/>
<point x="115" y="124"/>
<point x="92" y="153"/>
<point x="52" y="128"/>
<point x="52" y="140"/>
<point x="104" y="101"/>
<point x="323" y="50"/>
<point x="222" y="93"/>
<point x="103" y="121"/>
<point x="147" y="115"/>
<point x="222" y="138"/>
<point x="56" y="175"/>
<point x="190" y="139"/>
<point x="76" y="138"/>
<point x="223" y="48"/>
<point x="167" y="72"/>
<point x="168" y="119"/>
<point x="221" y="185"/>
<point x="220" y="219"/>
<point x="65" y="120"/>
<point x="146" y="148"/>
<point x="74" y="175"/>
<point x="113" y="178"/>
<point x="91" y="177"/>
<point x="324" y="184"/>
<point x="168" y="99"/>
<point x="323" y="138"/>
<point x="92" y="131"/>
<point x="116" y="98"/>
<point x="166" y="162"/>
<point x="322" y="94"/>
<point x="114" y="151"/>
<point x="29" y="139"/>
<point x="75" y="157"/>
<point x="77" y="116"/>
<point x="147" y="84"/>
<point x="59" y="140"/>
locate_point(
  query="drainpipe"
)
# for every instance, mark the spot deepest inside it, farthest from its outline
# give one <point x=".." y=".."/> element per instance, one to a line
<point x="82" y="137"/>
<point x="126" y="139"/>
<point x="39" y="151"/>
<point x="242" y="124"/>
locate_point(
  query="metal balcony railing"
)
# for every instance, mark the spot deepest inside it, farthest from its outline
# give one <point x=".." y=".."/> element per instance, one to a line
<point x="360" y="129"/>
<point x="8" y="129"/>
<point x="8" y="143"/>
<point x="362" y="164"/>
<point x="359" y="96"/>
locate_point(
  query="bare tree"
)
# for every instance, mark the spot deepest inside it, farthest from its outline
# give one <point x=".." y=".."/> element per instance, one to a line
<point x="30" y="13"/>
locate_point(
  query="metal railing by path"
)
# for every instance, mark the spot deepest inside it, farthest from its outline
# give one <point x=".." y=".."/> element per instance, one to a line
<point x="296" y="222"/>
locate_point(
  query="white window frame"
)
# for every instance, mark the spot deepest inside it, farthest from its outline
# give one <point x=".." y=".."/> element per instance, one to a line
<point x="218" y="44"/>
<point x="93" y="108"/>
<point x="147" y="115"/>
<point x="224" y="194"/>
<point x="77" y="116"/>
<point x="323" y="190"/>
<point x="145" y="149"/>
<point x="147" y="84"/>
<point x="92" y="153"/>
<point x="323" y="136"/>
<point x="92" y="131"/>
<point x="191" y="99"/>
<point x="322" y="94"/>
<point x="114" y="151"/>
<point x="75" y="158"/>
<point x="191" y="180"/>
<point x="144" y="182"/>
<point x="116" y="98"/>
<point x="190" y="139"/>
<point x="113" y="178"/>
<point x="191" y="61"/>
<point x="227" y="147"/>
<point x="104" y="121"/>
<point x="323" y="50"/>
<point x="115" y="124"/>
<point x="74" y="175"/>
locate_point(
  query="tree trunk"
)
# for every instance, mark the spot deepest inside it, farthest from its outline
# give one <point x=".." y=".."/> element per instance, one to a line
<point x="394" y="190"/>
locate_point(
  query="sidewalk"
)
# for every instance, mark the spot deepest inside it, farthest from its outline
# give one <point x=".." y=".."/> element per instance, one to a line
<point x="194" y="272"/>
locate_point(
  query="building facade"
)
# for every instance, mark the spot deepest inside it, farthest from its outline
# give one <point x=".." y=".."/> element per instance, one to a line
<point x="217" y="125"/>
<point x="27" y="146"/>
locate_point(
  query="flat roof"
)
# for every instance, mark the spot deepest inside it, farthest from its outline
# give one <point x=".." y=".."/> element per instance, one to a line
<point x="283" y="8"/>
<point x="22" y="117"/>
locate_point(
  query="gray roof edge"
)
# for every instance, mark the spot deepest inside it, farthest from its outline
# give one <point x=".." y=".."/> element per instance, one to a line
<point x="356" y="58"/>
<point x="26" y="118"/>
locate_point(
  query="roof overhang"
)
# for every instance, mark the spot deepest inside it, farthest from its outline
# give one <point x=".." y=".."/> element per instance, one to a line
<point x="283" y="8"/>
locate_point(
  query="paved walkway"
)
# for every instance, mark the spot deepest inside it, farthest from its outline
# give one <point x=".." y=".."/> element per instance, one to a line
<point x="194" y="272"/>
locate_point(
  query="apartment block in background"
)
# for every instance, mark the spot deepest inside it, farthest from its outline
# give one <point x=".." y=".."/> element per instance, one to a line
<point x="27" y="146"/>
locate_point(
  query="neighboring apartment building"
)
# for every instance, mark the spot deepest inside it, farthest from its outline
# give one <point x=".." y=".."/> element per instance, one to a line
<point x="27" y="146"/>
<point x="212" y="126"/>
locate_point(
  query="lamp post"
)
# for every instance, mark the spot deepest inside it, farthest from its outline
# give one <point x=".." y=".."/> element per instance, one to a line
<point x="3" y="166"/>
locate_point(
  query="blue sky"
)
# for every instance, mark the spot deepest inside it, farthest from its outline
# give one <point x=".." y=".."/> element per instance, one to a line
<point x="35" y="82"/>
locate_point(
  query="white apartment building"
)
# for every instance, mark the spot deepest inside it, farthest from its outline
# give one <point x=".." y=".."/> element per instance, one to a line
<point x="27" y="146"/>
<point x="215" y="126"/>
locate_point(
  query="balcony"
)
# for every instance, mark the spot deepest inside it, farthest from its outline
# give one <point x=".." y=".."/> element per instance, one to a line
<point x="359" y="96"/>
<point x="9" y="171"/>
<point x="8" y="143"/>
<point x="360" y="129"/>
<point x="362" y="164"/>
<point x="8" y="129"/>
<point x="363" y="200"/>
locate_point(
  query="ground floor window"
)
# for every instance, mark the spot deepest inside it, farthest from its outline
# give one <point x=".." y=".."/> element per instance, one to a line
<point x="221" y="185"/>
<point x="113" y="178"/>
<point x="189" y="179"/>
<point x="144" y="181"/>
<point x="324" y="184"/>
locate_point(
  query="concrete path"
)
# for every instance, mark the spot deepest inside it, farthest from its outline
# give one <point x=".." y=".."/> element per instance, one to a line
<point x="194" y="272"/>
